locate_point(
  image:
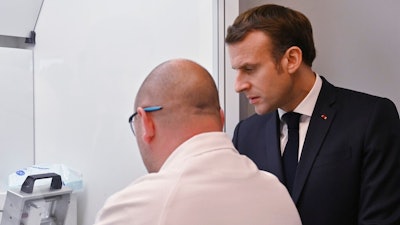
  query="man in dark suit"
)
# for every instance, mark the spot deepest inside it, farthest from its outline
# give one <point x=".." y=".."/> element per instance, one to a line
<point x="347" y="152"/>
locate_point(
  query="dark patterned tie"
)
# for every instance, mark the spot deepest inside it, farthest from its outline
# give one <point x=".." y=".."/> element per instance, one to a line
<point x="290" y="154"/>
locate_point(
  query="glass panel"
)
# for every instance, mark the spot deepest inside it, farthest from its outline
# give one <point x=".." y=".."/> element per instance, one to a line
<point x="16" y="112"/>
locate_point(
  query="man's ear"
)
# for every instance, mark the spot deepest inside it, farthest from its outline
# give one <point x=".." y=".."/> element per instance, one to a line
<point x="222" y="115"/>
<point x="147" y="124"/>
<point x="294" y="58"/>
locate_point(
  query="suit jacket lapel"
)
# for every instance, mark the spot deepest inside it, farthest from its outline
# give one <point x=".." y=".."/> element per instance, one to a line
<point x="320" y="122"/>
<point x="274" y="162"/>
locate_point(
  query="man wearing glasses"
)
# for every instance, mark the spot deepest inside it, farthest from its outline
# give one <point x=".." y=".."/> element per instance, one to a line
<point x="196" y="176"/>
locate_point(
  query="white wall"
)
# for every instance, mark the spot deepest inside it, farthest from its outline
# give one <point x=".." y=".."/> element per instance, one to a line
<point x="90" y="58"/>
<point x="231" y="98"/>
<point x="18" y="17"/>
<point x="357" y="42"/>
<point x="16" y="114"/>
<point x="16" y="111"/>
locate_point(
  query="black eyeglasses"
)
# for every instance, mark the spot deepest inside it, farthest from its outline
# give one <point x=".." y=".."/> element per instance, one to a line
<point x="146" y="109"/>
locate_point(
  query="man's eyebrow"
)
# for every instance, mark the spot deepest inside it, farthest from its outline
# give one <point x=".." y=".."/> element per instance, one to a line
<point x="244" y="65"/>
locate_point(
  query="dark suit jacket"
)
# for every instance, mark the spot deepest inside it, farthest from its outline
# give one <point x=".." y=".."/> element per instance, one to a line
<point x="349" y="170"/>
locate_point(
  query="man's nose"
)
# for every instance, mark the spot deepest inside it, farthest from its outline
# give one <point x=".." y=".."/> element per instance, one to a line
<point x="241" y="84"/>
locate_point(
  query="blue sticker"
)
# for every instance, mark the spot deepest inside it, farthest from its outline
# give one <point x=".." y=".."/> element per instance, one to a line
<point x="20" y="172"/>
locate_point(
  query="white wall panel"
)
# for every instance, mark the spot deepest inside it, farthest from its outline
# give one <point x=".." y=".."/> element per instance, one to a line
<point x="231" y="98"/>
<point x="16" y="111"/>
<point x="16" y="114"/>
<point x="90" y="58"/>
<point x="18" y="17"/>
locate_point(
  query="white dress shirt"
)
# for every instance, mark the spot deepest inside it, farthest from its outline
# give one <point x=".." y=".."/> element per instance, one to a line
<point x="305" y="108"/>
<point x="205" y="181"/>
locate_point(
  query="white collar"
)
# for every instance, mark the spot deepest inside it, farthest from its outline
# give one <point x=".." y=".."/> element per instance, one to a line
<point x="306" y="107"/>
<point x="196" y="145"/>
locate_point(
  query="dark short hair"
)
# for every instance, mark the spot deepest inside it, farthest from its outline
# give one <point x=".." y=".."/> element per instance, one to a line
<point x="284" y="26"/>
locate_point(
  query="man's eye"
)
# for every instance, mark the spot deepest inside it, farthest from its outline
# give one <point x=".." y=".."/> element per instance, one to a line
<point x="248" y="69"/>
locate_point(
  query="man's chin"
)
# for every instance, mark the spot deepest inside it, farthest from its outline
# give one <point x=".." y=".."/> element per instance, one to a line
<point x="262" y="111"/>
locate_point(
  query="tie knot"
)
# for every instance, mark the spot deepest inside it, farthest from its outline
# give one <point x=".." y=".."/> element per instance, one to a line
<point x="292" y="119"/>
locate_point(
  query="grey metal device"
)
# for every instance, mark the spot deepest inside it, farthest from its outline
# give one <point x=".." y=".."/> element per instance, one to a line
<point x="37" y="206"/>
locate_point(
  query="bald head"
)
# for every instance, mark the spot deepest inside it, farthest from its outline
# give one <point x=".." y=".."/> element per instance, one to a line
<point x="190" y="102"/>
<point x="182" y="87"/>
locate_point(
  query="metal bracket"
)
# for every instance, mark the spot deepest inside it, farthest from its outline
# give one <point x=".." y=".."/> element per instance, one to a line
<point x="32" y="38"/>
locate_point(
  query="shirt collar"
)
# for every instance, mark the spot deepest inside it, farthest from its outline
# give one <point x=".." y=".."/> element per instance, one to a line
<point x="198" y="144"/>
<point x="306" y="106"/>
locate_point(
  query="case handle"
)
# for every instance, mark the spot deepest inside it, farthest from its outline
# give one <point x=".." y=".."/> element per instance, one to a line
<point x="29" y="182"/>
